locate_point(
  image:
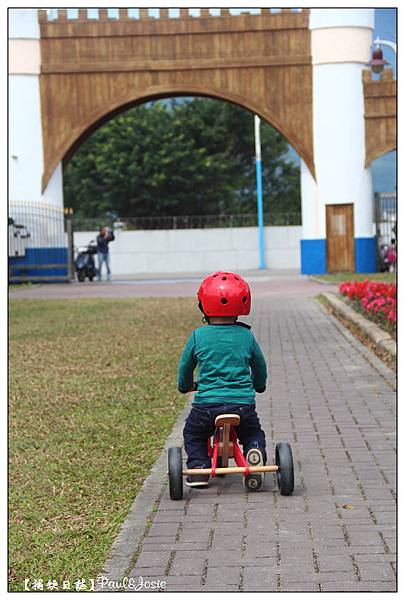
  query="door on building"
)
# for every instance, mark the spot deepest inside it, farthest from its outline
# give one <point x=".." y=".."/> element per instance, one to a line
<point x="339" y="237"/>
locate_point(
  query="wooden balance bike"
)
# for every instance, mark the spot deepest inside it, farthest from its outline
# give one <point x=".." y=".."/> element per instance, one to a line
<point x="225" y="446"/>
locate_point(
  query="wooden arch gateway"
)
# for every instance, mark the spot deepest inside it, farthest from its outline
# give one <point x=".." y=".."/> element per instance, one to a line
<point x="92" y="69"/>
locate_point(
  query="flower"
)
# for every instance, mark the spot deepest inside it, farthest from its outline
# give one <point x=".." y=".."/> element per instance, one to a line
<point x="376" y="298"/>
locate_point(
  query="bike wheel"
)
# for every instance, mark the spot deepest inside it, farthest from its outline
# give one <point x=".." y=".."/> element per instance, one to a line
<point x="285" y="474"/>
<point x="175" y="473"/>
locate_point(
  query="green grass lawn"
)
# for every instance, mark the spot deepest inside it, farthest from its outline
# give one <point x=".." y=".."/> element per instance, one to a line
<point x="340" y="277"/>
<point x="92" y="398"/>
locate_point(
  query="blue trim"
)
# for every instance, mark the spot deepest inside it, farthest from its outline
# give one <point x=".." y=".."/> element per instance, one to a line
<point x="262" y="263"/>
<point x="40" y="256"/>
<point x="366" y="255"/>
<point x="313" y="257"/>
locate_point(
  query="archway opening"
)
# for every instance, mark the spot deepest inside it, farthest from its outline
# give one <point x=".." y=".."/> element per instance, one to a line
<point x="188" y="163"/>
<point x="181" y="156"/>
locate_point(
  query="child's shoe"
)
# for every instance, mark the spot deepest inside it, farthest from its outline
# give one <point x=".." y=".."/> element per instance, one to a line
<point x="200" y="481"/>
<point x="254" y="481"/>
<point x="254" y="457"/>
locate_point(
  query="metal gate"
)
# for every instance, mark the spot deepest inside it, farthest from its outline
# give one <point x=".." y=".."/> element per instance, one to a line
<point x="385" y="218"/>
<point x="40" y="243"/>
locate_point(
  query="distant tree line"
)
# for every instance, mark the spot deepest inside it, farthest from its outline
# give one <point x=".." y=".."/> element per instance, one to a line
<point x="180" y="157"/>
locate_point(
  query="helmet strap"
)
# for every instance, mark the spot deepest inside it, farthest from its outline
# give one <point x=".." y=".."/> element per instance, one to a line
<point x="204" y="319"/>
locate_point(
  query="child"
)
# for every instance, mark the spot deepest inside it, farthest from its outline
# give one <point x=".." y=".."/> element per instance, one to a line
<point x="231" y="368"/>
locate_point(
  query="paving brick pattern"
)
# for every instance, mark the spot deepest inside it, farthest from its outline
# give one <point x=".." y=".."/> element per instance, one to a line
<point x="334" y="401"/>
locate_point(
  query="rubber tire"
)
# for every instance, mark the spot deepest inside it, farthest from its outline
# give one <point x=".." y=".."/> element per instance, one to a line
<point x="80" y="276"/>
<point x="285" y="474"/>
<point x="175" y="473"/>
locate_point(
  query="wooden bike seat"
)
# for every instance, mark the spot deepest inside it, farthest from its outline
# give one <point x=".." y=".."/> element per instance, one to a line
<point x="227" y="419"/>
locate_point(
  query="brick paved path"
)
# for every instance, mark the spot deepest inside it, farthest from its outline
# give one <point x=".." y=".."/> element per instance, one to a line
<point x="334" y="402"/>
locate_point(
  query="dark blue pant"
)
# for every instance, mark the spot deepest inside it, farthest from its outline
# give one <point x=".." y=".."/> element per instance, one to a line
<point x="200" y="425"/>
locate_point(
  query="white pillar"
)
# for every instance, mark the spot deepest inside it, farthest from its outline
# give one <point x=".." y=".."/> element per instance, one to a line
<point x="313" y="225"/>
<point x="40" y="212"/>
<point x="341" y="41"/>
<point x="26" y="148"/>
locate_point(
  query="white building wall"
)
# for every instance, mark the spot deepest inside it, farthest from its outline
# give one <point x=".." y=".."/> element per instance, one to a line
<point x="196" y="250"/>
<point x="25" y="139"/>
<point x="25" y="147"/>
<point x="313" y="221"/>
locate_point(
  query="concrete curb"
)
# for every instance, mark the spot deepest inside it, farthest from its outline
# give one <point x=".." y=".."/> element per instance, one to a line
<point x="381" y="338"/>
<point x="132" y="530"/>
<point x="317" y="280"/>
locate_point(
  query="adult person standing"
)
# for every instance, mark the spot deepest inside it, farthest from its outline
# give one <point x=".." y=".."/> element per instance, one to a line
<point x="105" y="236"/>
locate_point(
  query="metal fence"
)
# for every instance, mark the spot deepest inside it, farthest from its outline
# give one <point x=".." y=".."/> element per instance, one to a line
<point x="385" y="218"/>
<point x="186" y="221"/>
<point x="40" y="242"/>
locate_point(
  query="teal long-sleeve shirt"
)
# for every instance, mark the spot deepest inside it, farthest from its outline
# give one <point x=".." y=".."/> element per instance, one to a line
<point x="231" y="365"/>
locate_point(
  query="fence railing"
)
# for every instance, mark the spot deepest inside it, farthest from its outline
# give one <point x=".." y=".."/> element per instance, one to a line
<point x="39" y="242"/>
<point x="385" y="218"/>
<point x="186" y="221"/>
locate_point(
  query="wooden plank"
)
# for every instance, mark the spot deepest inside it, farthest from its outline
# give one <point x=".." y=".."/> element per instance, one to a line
<point x="232" y="470"/>
<point x="177" y="65"/>
<point x="382" y="114"/>
<point x="380" y="102"/>
<point x="198" y="25"/>
<point x="230" y="444"/>
<point x="225" y="444"/>
<point x="42" y="16"/>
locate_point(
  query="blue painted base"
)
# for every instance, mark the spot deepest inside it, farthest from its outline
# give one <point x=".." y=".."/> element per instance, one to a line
<point x="40" y="256"/>
<point x="366" y="255"/>
<point x="313" y="257"/>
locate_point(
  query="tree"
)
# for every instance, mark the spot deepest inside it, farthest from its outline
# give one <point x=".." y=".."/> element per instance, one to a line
<point x="180" y="157"/>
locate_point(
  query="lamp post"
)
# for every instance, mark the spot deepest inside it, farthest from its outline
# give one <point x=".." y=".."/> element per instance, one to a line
<point x="388" y="43"/>
<point x="262" y="264"/>
<point x="377" y="62"/>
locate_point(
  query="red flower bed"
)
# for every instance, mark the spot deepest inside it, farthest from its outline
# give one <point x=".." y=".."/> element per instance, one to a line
<point x="378" y="301"/>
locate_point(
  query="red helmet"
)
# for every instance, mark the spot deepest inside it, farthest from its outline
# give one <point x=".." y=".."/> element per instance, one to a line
<point x="224" y="294"/>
